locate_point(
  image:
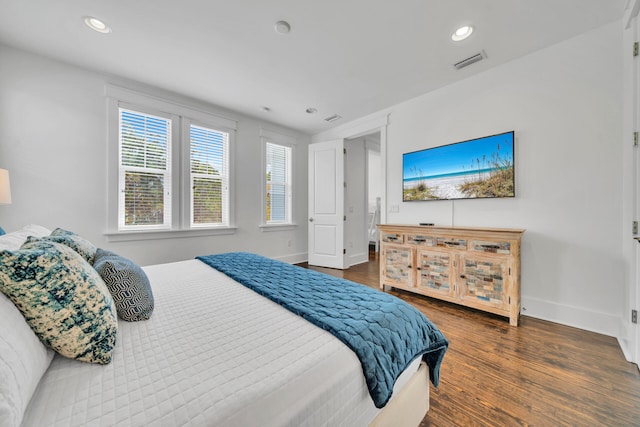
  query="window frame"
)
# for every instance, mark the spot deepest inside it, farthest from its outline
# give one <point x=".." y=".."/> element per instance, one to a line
<point x="168" y="174"/>
<point x="268" y="136"/>
<point x="181" y="116"/>
<point x="186" y="165"/>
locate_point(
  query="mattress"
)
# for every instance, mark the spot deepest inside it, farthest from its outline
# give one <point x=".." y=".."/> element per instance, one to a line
<point x="213" y="353"/>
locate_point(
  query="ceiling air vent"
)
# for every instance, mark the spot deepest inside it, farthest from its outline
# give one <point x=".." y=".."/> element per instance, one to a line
<point x="333" y="118"/>
<point x="470" y="60"/>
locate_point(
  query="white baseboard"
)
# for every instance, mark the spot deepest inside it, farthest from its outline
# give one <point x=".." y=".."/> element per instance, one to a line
<point x="626" y="340"/>
<point x="304" y="257"/>
<point x="293" y="258"/>
<point x="626" y="350"/>
<point x="576" y="317"/>
<point x="360" y="258"/>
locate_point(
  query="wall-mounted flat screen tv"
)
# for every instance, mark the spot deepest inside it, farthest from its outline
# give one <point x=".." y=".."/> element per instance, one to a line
<point x="478" y="168"/>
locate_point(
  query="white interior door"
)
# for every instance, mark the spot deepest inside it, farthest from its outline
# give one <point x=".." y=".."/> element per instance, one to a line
<point x="326" y="204"/>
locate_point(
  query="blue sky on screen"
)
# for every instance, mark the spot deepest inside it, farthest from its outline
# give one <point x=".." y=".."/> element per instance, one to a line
<point x="456" y="157"/>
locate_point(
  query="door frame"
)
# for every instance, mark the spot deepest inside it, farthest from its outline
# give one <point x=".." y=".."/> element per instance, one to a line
<point x="377" y="124"/>
<point x="362" y="128"/>
<point x="629" y="337"/>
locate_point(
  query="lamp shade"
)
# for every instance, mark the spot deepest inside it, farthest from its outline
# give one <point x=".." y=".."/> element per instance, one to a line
<point x="5" y="187"/>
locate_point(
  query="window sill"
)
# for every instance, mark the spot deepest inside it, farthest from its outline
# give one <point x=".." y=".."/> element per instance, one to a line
<point x="277" y="227"/>
<point x="126" y="236"/>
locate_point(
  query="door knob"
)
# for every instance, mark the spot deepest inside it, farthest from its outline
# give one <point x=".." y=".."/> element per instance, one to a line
<point x="310" y="219"/>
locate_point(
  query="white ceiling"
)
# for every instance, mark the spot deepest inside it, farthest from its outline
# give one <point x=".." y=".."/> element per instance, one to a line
<point x="346" y="57"/>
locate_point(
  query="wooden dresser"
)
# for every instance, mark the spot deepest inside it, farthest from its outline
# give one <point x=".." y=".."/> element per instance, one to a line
<point x="474" y="267"/>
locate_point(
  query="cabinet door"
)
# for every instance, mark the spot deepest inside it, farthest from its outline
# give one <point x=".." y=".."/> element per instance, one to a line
<point x="398" y="268"/>
<point x="435" y="272"/>
<point x="484" y="281"/>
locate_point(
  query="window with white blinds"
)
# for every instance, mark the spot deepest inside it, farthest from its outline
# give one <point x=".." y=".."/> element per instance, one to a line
<point x="278" y="184"/>
<point x="209" y="160"/>
<point x="169" y="169"/>
<point x="144" y="183"/>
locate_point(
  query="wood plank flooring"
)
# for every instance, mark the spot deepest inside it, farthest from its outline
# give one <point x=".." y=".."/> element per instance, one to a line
<point x="537" y="374"/>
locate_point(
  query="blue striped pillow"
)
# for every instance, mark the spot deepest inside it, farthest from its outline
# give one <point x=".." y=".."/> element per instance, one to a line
<point x="128" y="284"/>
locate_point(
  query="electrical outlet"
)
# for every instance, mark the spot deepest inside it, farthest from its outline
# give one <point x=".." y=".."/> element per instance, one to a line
<point x="634" y="316"/>
<point x="634" y="227"/>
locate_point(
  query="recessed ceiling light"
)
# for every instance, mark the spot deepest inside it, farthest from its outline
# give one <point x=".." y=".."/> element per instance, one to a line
<point x="311" y="110"/>
<point x="97" y="25"/>
<point x="462" y="33"/>
<point x="282" y="27"/>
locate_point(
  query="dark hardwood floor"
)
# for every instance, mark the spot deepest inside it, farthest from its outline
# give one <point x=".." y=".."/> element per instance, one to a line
<point x="537" y="374"/>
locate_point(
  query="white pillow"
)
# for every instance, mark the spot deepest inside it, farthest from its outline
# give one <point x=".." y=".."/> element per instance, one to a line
<point x="23" y="361"/>
<point x="12" y="241"/>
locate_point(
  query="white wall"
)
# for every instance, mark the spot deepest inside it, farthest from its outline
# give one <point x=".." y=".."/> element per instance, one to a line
<point x="565" y="105"/>
<point x="53" y="127"/>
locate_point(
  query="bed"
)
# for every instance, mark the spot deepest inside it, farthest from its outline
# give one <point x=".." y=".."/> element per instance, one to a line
<point x="212" y="353"/>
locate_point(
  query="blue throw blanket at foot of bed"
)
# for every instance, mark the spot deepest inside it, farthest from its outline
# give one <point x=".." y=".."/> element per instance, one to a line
<point x="386" y="333"/>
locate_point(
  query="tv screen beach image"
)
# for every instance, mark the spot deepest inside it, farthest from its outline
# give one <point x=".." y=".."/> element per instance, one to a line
<point x="477" y="168"/>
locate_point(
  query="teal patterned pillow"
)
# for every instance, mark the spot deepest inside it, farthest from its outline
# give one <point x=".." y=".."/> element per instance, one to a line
<point x="75" y="242"/>
<point x="128" y="284"/>
<point x="63" y="299"/>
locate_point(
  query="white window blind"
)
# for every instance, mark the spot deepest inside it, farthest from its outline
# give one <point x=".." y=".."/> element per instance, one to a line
<point x="278" y="181"/>
<point x="144" y="200"/>
<point x="209" y="160"/>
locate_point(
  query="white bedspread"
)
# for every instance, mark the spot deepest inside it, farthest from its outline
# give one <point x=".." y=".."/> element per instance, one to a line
<point x="214" y="353"/>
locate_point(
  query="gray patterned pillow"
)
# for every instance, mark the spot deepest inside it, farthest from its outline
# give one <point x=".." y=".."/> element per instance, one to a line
<point x="63" y="299"/>
<point x="128" y="284"/>
<point x="75" y="242"/>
